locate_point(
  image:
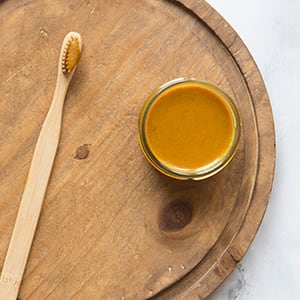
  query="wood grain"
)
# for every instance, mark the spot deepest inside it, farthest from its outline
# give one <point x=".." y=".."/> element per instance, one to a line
<point x="111" y="226"/>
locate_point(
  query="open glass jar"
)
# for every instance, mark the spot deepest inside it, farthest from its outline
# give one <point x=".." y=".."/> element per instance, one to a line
<point x="189" y="129"/>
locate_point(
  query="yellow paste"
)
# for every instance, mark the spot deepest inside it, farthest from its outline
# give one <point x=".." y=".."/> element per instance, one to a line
<point x="189" y="127"/>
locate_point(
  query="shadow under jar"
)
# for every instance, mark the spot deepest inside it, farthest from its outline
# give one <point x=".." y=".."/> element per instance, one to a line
<point x="189" y="129"/>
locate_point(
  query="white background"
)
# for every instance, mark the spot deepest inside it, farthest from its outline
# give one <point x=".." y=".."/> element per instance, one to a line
<point x="271" y="268"/>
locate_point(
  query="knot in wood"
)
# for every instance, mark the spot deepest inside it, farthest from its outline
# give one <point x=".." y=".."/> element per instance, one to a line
<point x="82" y="152"/>
<point x="175" y="216"/>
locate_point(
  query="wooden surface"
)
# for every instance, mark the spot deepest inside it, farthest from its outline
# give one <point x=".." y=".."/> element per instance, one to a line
<point x="111" y="226"/>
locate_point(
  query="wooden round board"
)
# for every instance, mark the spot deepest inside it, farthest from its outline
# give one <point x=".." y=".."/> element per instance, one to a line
<point x="111" y="226"/>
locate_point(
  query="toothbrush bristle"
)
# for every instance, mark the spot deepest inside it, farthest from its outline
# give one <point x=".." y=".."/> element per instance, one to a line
<point x="71" y="55"/>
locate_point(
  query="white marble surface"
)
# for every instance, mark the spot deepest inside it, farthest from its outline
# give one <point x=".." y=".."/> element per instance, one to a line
<point x="271" y="267"/>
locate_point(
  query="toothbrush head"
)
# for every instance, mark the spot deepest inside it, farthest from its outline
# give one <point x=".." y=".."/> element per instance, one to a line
<point x="71" y="52"/>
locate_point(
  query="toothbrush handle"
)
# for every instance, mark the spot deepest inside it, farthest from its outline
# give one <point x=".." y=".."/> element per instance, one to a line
<point x="32" y="200"/>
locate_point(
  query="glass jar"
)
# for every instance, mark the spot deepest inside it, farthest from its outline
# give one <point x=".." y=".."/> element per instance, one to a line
<point x="189" y="129"/>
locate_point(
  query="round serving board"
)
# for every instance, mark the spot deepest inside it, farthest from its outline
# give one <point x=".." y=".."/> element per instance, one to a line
<point x="111" y="226"/>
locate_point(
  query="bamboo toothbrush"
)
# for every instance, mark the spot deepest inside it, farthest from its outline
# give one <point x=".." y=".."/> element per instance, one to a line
<point x="39" y="173"/>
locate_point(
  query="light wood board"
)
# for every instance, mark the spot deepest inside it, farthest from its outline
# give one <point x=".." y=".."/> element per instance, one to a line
<point x="111" y="226"/>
